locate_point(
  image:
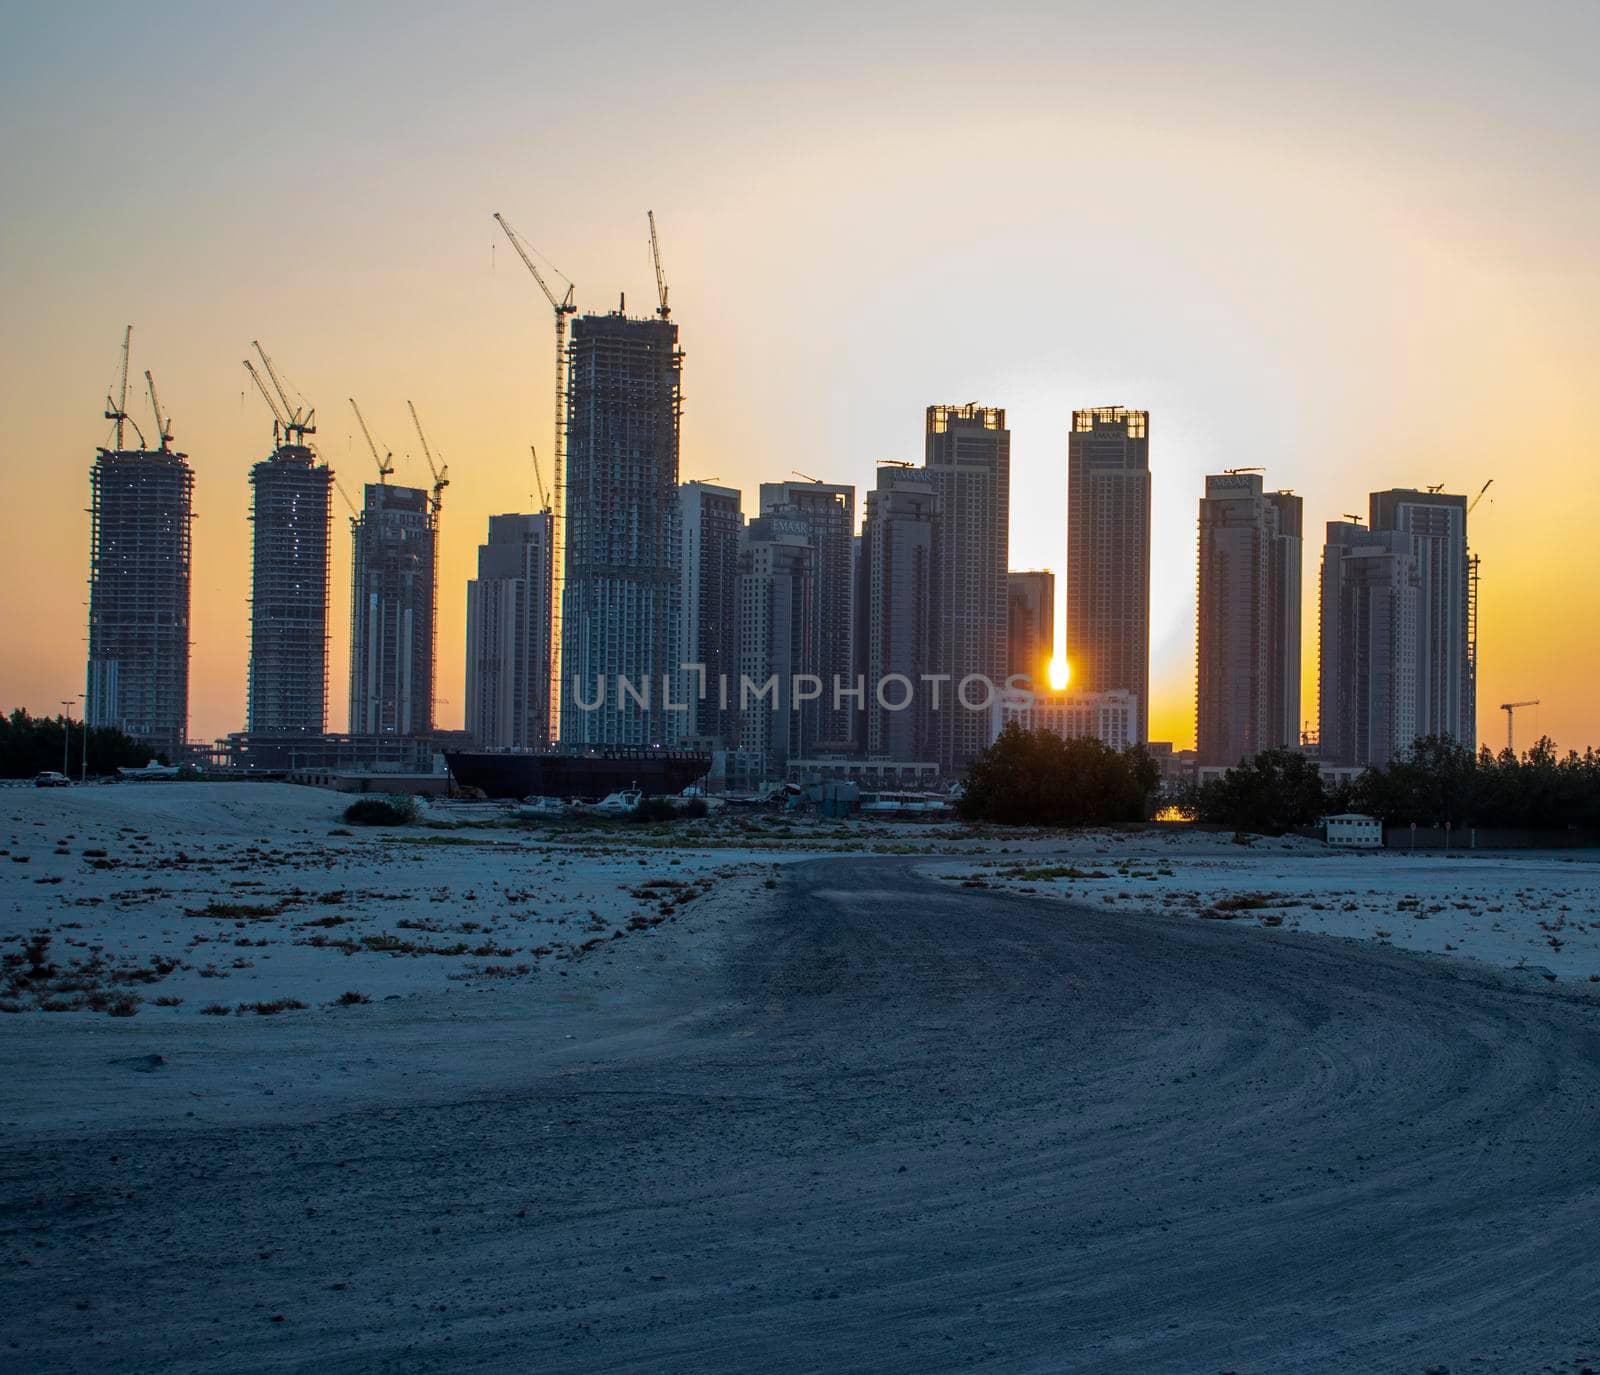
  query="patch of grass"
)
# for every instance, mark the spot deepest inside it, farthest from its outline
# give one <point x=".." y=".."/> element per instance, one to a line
<point x="248" y="911"/>
<point x="215" y="1010"/>
<point x="350" y="998"/>
<point x="270" y="1009"/>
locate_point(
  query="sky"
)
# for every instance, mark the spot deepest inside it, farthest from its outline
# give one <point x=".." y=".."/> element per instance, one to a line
<point x="1354" y="245"/>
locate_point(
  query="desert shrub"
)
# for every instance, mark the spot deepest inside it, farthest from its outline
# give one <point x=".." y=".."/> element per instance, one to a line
<point x="393" y="810"/>
<point x="215" y="1010"/>
<point x="350" y="998"/>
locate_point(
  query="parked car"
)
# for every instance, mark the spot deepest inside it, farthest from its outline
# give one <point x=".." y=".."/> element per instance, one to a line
<point x="51" y="779"/>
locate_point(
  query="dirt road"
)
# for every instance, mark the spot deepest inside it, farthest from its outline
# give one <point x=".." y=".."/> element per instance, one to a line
<point x="906" y="1127"/>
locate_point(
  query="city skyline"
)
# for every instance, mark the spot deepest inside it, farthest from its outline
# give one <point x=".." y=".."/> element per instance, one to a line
<point x="1379" y="294"/>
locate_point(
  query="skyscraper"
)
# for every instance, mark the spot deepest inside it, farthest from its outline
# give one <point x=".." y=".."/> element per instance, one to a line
<point x="622" y="585"/>
<point x="777" y="641"/>
<point x="968" y="458"/>
<point x="1031" y="626"/>
<point x="141" y="506"/>
<point x="508" y="635"/>
<point x="1371" y="602"/>
<point x="288" y="683"/>
<point x="711" y="525"/>
<point x="1108" y="554"/>
<point x="830" y="511"/>
<point x="1248" y="627"/>
<point x="1446" y="667"/>
<point x="391" y="613"/>
<point x="895" y="572"/>
<point x="1285" y="560"/>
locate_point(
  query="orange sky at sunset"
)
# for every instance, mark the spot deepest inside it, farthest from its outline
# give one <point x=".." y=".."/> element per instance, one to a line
<point x="1354" y="249"/>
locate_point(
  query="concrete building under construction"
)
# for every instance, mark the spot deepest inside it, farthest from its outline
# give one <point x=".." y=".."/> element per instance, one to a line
<point x="392" y="613"/>
<point x="141" y="507"/>
<point x="140" y="511"/>
<point x="288" y="683"/>
<point x="621" y="595"/>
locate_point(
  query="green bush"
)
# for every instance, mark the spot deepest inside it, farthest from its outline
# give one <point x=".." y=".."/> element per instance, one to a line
<point x="394" y="810"/>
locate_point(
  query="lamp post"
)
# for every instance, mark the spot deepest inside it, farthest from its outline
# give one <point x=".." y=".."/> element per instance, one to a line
<point x="66" y="736"/>
<point x="83" y="757"/>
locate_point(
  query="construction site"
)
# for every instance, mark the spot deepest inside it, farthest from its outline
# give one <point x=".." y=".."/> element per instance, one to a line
<point x="141" y="508"/>
<point x="288" y="684"/>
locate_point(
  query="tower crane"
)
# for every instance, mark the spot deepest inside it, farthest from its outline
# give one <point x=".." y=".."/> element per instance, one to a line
<point x="280" y="422"/>
<point x="1473" y="504"/>
<point x="538" y="479"/>
<point x="795" y="472"/>
<point x="662" y="308"/>
<point x="386" y="463"/>
<point x="302" y="419"/>
<point x="1234" y="472"/>
<point x="118" y="410"/>
<point x="441" y="475"/>
<point x="1510" y="709"/>
<point x="355" y="515"/>
<point x="163" y="423"/>
<point x="562" y="306"/>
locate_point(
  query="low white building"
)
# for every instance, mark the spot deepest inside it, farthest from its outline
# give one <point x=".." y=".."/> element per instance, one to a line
<point x="1112" y="717"/>
<point x="1353" y="829"/>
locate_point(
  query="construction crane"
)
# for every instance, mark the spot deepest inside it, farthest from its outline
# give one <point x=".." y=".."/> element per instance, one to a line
<point x="1234" y="472"/>
<point x="563" y="306"/>
<point x="441" y="475"/>
<point x="386" y="463"/>
<point x="538" y="480"/>
<point x="1510" y="709"/>
<point x="1353" y="518"/>
<point x="302" y="419"/>
<point x="795" y="472"/>
<point x="355" y="515"/>
<point x="118" y="410"/>
<point x="163" y="424"/>
<point x="280" y="422"/>
<point x="662" y="309"/>
<point x="1473" y="504"/>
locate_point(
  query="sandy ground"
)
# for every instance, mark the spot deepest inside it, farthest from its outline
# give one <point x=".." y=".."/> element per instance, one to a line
<point x="1538" y="910"/>
<point x="707" y="1098"/>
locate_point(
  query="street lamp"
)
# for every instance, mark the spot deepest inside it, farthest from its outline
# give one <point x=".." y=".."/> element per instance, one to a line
<point x="66" y="735"/>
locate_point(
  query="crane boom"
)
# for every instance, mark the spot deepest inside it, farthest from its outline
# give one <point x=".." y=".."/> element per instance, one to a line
<point x="565" y="304"/>
<point x="118" y="410"/>
<point x="163" y="423"/>
<point x="441" y="476"/>
<point x="662" y="309"/>
<point x="1510" y="709"/>
<point x="386" y="463"/>
<point x="279" y="421"/>
<point x="301" y="418"/>
<point x="1473" y="504"/>
<point x="538" y="478"/>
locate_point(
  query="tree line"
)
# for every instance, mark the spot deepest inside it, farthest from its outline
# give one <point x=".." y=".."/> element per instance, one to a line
<point x="30" y="745"/>
<point x="1036" y="778"/>
<point x="1436" y="782"/>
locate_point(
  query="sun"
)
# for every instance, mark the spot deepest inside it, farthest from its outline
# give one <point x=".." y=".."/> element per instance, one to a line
<point x="1060" y="674"/>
